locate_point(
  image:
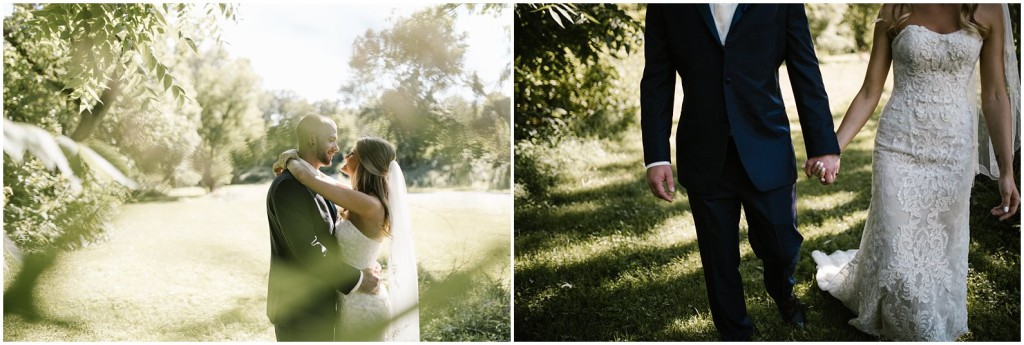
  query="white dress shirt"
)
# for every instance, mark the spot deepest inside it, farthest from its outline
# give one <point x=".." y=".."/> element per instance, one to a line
<point x="723" y="18"/>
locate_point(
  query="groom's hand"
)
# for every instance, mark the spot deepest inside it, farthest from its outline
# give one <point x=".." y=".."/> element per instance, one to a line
<point x="825" y="167"/>
<point x="371" y="280"/>
<point x="657" y="178"/>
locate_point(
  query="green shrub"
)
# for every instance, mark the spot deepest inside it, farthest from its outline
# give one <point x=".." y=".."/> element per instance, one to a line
<point x="479" y="314"/>
<point x="42" y="210"/>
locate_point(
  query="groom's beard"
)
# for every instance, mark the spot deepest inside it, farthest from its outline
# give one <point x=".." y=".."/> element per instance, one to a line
<point x="324" y="158"/>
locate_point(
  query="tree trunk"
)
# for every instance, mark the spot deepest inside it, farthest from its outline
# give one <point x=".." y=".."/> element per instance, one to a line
<point x="90" y="119"/>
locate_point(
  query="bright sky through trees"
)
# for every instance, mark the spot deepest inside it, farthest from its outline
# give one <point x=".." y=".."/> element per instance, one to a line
<point x="306" y="48"/>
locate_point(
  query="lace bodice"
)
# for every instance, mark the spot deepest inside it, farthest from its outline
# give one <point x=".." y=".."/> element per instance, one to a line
<point x="357" y="249"/>
<point x="360" y="312"/>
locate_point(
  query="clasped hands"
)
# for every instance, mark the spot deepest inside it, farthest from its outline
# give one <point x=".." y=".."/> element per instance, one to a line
<point x="825" y="167"/>
<point x="371" y="280"/>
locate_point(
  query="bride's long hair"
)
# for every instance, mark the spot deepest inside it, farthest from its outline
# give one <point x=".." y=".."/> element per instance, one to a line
<point x="902" y="13"/>
<point x="371" y="174"/>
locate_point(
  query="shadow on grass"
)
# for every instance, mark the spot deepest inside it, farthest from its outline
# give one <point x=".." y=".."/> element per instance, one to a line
<point x="245" y="312"/>
<point x="616" y="295"/>
<point x="15" y="323"/>
<point x="574" y="302"/>
<point x="589" y="301"/>
<point x="624" y="207"/>
<point x="577" y="303"/>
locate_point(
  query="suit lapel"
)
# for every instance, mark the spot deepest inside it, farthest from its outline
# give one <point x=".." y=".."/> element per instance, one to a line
<point x="327" y="207"/>
<point x="735" y="16"/>
<point x="709" y="20"/>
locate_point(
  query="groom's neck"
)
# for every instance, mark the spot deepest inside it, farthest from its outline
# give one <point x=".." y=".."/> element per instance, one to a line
<point x="310" y="157"/>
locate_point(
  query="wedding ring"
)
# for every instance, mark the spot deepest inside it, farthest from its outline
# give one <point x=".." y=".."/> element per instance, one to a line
<point x="1006" y="209"/>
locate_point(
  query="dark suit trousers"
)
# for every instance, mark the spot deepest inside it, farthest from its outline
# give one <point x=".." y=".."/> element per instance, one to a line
<point x="312" y="327"/>
<point x="771" y="220"/>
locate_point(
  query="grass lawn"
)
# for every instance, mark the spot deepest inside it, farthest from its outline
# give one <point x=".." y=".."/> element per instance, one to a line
<point x="195" y="269"/>
<point x="599" y="258"/>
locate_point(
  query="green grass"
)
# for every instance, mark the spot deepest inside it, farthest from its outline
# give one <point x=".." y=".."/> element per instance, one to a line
<point x="599" y="258"/>
<point x="195" y="269"/>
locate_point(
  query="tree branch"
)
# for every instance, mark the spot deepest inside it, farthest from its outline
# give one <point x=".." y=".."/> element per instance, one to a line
<point x="90" y="119"/>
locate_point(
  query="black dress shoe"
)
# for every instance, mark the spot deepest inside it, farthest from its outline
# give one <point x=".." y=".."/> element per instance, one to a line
<point x="792" y="312"/>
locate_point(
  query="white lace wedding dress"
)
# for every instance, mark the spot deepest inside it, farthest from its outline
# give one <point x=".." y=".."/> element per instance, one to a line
<point x="360" y="313"/>
<point x="908" y="281"/>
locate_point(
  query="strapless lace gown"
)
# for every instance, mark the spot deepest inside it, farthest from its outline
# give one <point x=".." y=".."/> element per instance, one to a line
<point x="908" y="281"/>
<point x="359" y="311"/>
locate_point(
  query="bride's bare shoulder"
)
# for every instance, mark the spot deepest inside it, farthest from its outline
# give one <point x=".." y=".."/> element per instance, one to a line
<point x="988" y="14"/>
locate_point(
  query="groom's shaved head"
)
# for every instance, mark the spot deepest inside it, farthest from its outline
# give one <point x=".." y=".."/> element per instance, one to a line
<point x="317" y="139"/>
<point x="310" y="127"/>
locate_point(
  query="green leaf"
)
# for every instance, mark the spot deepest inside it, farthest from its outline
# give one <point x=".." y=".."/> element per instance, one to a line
<point x="167" y="83"/>
<point x="192" y="44"/>
<point x="554" y="15"/>
<point x="22" y="137"/>
<point x="75" y="83"/>
<point x="161" y="71"/>
<point x="562" y="10"/>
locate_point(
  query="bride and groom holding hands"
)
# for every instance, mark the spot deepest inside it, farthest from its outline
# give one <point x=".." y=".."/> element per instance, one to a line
<point x="908" y="280"/>
<point x="325" y="283"/>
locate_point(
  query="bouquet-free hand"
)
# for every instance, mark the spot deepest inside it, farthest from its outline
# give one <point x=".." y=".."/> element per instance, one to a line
<point x="659" y="180"/>
<point x="371" y="280"/>
<point x="1011" y="198"/>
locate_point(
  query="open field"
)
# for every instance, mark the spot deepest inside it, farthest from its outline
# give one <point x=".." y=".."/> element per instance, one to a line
<point x="195" y="269"/>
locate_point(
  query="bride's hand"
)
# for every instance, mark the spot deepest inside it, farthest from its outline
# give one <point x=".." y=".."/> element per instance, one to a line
<point x="1011" y="198"/>
<point x="282" y="161"/>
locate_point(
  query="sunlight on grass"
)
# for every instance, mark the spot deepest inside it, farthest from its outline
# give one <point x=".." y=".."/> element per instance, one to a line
<point x="826" y="201"/>
<point x="196" y="269"/>
<point x="836" y="226"/>
<point x="701" y="322"/>
<point x="672" y="231"/>
<point x="602" y="260"/>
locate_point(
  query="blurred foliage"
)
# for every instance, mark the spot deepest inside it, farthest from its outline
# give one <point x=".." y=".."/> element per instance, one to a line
<point x="830" y="34"/>
<point x="65" y="68"/>
<point x="88" y="53"/>
<point x="227" y="91"/>
<point x="477" y="310"/>
<point x="566" y="81"/>
<point x="405" y="78"/>
<point x="97" y="71"/>
<point x="41" y="206"/>
<point x="860" y="18"/>
<point x="565" y="77"/>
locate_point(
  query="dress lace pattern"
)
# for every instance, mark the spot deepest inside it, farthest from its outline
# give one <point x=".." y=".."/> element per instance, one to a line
<point x="359" y="311"/>
<point x="908" y="280"/>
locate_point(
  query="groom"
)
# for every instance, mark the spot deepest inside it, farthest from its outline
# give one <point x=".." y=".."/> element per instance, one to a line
<point x="306" y="270"/>
<point x="733" y="143"/>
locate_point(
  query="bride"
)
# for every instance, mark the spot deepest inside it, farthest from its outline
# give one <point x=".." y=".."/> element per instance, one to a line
<point x="374" y="208"/>
<point x="908" y="281"/>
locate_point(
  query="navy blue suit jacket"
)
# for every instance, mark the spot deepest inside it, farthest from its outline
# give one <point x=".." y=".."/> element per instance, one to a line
<point x="731" y="89"/>
<point x="306" y="270"/>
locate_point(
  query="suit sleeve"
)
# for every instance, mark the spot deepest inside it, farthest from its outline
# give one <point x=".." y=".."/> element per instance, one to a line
<point x="808" y="88"/>
<point x="299" y="220"/>
<point x="657" y="88"/>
